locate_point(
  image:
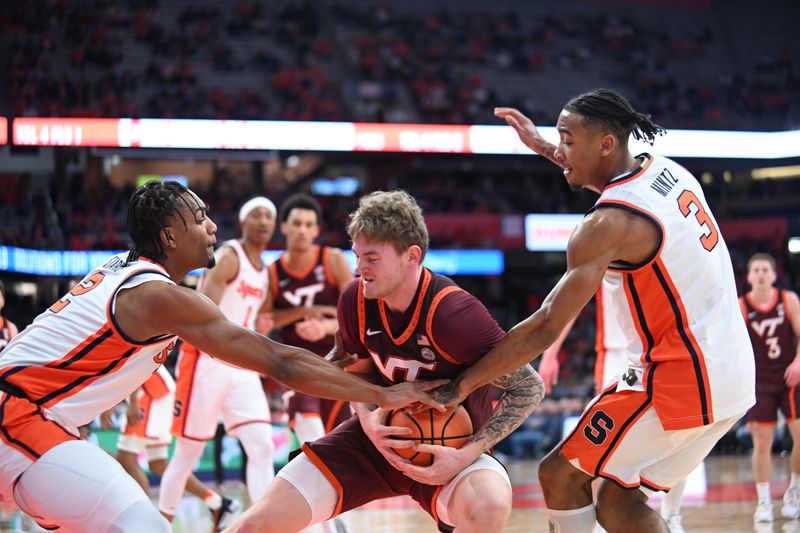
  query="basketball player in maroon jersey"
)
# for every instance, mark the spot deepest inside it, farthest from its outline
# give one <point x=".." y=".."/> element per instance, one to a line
<point x="404" y="323"/>
<point x="773" y="321"/>
<point x="8" y="329"/>
<point x="305" y="283"/>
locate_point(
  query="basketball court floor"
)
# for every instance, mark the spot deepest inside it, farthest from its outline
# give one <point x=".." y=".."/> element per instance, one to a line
<point x="719" y="499"/>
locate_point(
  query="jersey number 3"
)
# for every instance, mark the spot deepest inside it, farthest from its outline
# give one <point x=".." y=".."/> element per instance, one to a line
<point x="686" y="200"/>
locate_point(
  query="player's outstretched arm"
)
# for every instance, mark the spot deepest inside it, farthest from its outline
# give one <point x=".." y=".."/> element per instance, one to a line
<point x="163" y="309"/>
<point x="600" y="239"/>
<point x="527" y="132"/>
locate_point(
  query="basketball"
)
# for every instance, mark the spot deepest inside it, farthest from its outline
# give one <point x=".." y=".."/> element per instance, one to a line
<point x="451" y="428"/>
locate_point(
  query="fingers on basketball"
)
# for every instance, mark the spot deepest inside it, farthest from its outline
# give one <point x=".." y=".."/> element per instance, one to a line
<point x="452" y="427"/>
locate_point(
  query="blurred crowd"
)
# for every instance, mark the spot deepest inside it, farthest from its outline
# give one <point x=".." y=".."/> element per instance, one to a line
<point x="377" y="60"/>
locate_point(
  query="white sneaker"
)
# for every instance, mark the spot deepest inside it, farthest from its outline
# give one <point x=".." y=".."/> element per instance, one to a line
<point x="763" y="513"/>
<point x="674" y="523"/>
<point x="791" y="503"/>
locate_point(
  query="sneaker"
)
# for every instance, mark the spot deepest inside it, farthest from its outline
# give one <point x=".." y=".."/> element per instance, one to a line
<point x="226" y="514"/>
<point x="791" y="503"/>
<point x="674" y="523"/>
<point x="763" y="513"/>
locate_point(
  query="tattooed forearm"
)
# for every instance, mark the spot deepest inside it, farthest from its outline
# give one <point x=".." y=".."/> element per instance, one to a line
<point x="524" y="391"/>
<point x="447" y="394"/>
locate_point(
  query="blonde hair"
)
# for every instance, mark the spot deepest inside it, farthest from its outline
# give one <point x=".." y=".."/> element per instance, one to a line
<point x="393" y="217"/>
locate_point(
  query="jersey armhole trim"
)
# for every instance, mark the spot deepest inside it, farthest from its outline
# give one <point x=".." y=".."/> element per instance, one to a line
<point x="618" y="204"/>
<point x="429" y="321"/>
<point x="113" y="320"/>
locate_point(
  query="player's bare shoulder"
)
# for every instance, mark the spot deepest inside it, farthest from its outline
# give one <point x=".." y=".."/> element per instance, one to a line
<point x="627" y="236"/>
<point x="145" y="311"/>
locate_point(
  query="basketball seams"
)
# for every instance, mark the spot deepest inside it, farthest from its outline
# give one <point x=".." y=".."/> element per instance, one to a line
<point x="437" y="424"/>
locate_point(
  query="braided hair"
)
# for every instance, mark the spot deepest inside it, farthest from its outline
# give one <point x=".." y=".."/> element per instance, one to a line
<point x="610" y="110"/>
<point x="150" y="207"/>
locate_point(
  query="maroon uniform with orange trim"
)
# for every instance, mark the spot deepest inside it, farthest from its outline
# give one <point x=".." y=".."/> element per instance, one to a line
<point x="444" y="331"/>
<point x="315" y="286"/>
<point x="774" y="348"/>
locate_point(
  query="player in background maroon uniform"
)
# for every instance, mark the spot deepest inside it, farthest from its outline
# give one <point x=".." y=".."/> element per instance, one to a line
<point x="305" y="283"/>
<point x="773" y="321"/>
<point x="7" y="328"/>
<point x="404" y="323"/>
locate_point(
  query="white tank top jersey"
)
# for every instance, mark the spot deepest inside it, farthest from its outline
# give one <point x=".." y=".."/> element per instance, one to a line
<point x="73" y="360"/>
<point x="244" y="295"/>
<point x="611" y="345"/>
<point x="679" y="310"/>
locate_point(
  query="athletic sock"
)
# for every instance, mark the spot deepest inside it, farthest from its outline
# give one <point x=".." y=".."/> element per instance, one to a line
<point x="212" y="500"/>
<point x="572" y="520"/>
<point x="762" y="489"/>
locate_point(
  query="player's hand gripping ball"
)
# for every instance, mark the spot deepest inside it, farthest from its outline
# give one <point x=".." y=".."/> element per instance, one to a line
<point x="452" y="428"/>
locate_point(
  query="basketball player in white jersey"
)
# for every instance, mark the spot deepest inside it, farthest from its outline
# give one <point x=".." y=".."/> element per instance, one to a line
<point x="8" y="329"/>
<point x="690" y="372"/>
<point x="611" y="363"/>
<point x="209" y="389"/>
<point x="102" y="340"/>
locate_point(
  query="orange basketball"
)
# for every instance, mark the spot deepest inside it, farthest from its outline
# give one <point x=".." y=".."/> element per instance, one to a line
<point x="452" y="428"/>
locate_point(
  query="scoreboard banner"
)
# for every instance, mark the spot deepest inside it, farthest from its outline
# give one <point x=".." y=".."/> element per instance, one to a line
<point x="368" y="137"/>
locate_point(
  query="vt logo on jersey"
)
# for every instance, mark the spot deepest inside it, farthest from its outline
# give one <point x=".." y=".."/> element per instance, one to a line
<point x="246" y="290"/>
<point x="400" y="365"/>
<point x="304" y="296"/>
<point x="766" y="329"/>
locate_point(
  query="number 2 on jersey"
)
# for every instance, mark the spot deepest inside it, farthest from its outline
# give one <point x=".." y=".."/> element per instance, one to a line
<point x="687" y="199"/>
<point x="81" y="288"/>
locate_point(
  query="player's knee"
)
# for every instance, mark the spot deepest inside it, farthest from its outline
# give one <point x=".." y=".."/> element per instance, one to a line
<point x="257" y="440"/>
<point x="141" y="517"/>
<point x="490" y="513"/>
<point x="550" y="471"/>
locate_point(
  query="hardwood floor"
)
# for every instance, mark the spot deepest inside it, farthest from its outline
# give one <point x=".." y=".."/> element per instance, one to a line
<point x="720" y="498"/>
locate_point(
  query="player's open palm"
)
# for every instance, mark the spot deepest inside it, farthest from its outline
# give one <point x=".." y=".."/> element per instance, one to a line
<point x="524" y="127"/>
<point x="792" y="374"/>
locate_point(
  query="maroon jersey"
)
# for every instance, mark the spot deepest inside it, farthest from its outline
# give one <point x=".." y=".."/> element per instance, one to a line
<point x="315" y="286"/>
<point x="443" y="332"/>
<point x="772" y="337"/>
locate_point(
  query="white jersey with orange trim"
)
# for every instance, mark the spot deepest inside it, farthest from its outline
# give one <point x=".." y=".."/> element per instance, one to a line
<point x="611" y="345"/>
<point x="687" y="341"/>
<point x="208" y="388"/>
<point x="244" y="295"/>
<point x="73" y="360"/>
